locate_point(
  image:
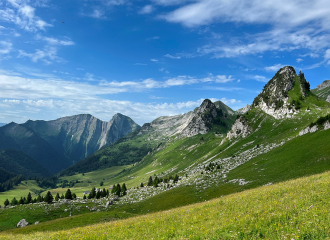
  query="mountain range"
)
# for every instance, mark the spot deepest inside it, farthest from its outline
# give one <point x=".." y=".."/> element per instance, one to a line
<point x="60" y="143"/>
<point x="206" y="153"/>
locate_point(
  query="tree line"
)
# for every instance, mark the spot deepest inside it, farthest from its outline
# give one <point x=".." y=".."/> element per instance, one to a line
<point x="48" y="198"/>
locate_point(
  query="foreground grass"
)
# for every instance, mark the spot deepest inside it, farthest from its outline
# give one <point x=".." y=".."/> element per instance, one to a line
<point x="297" y="209"/>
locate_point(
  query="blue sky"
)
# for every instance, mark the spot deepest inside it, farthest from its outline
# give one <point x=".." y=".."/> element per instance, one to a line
<point x="151" y="58"/>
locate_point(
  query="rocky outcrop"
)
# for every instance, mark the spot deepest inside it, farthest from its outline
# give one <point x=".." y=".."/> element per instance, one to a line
<point x="273" y="100"/>
<point x="314" y="128"/>
<point x="323" y="85"/>
<point x="328" y="99"/>
<point x="22" y="223"/>
<point x="202" y="119"/>
<point x="244" y="109"/>
<point x="240" y="128"/>
<point x="308" y="130"/>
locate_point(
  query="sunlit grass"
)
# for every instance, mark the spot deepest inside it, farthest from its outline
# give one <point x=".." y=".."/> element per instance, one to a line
<point x="297" y="209"/>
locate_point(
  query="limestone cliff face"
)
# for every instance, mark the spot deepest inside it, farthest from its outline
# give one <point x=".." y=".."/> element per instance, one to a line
<point x="244" y="109"/>
<point x="81" y="135"/>
<point x="323" y="85"/>
<point x="273" y="100"/>
<point x="240" y="128"/>
<point x="203" y="116"/>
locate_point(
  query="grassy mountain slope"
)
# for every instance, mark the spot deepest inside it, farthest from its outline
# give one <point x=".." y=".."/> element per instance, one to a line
<point x="260" y="149"/>
<point x="296" y="209"/>
<point x="77" y="137"/>
<point x="18" y="162"/>
<point x="25" y="139"/>
<point x="323" y="90"/>
<point x="133" y="147"/>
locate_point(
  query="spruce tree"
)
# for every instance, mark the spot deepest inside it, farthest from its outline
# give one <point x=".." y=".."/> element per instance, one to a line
<point x="6" y="203"/>
<point x="124" y="189"/>
<point x="150" y="182"/>
<point x="93" y="192"/>
<point x="21" y="201"/>
<point x="141" y="185"/>
<point x="49" y="197"/>
<point x="68" y="194"/>
<point x="14" y="202"/>
<point x="98" y="195"/>
<point x="57" y="197"/>
<point x="84" y="197"/>
<point x="118" y="190"/>
<point x="104" y="193"/>
<point x="62" y="196"/>
<point x="29" y="198"/>
<point x="74" y="196"/>
<point x="39" y="198"/>
<point x="107" y="193"/>
<point x="113" y="190"/>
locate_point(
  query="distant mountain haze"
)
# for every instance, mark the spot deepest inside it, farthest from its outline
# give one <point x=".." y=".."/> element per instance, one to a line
<point x="59" y="143"/>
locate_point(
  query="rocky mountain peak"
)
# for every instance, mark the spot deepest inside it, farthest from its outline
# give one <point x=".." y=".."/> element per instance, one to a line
<point x="273" y="98"/>
<point x="202" y="119"/>
<point x="323" y="85"/>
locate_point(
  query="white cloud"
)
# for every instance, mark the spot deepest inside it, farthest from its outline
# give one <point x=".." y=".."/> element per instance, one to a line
<point x="163" y="70"/>
<point x="97" y="14"/>
<point x="153" y="38"/>
<point x="259" y="78"/>
<point x="54" y="41"/>
<point x="274" y="68"/>
<point x="298" y="60"/>
<point x="23" y="15"/>
<point x="173" y="57"/>
<point x="47" y="54"/>
<point x="147" y="9"/>
<point x="169" y="2"/>
<point x="154" y="60"/>
<point x="294" y="13"/>
<point x="5" y="47"/>
<point x="100" y="108"/>
<point x="327" y="54"/>
<point x="80" y="69"/>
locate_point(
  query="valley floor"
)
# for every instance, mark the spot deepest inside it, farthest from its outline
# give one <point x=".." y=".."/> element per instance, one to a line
<point x="296" y="209"/>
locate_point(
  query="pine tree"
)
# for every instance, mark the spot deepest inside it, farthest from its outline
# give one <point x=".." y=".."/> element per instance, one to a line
<point x="113" y="190"/>
<point x="84" y="197"/>
<point x="150" y="182"/>
<point x="49" y="197"/>
<point x="124" y="189"/>
<point x="118" y="190"/>
<point x="29" y="198"/>
<point x="74" y="196"/>
<point x="98" y="195"/>
<point x="141" y="185"/>
<point x="68" y="194"/>
<point x="101" y="183"/>
<point x="14" y="202"/>
<point x="62" y="196"/>
<point x="107" y="193"/>
<point x="57" y="197"/>
<point x="93" y="192"/>
<point x="104" y="193"/>
<point x="21" y="201"/>
<point x="6" y="203"/>
<point x="39" y="198"/>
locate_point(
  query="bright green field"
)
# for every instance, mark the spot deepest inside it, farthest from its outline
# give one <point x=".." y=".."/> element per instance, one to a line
<point x="22" y="190"/>
<point x="297" y="209"/>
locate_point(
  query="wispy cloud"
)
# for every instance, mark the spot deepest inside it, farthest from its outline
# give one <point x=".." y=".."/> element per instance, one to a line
<point x="47" y="55"/>
<point x="173" y="57"/>
<point x="53" y="41"/>
<point x="147" y="9"/>
<point x="153" y="38"/>
<point x="5" y="47"/>
<point x="23" y="15"/>
<point x="101" y="108"/>
<point x="274" y="68"/>
<point x="154" y="60"/>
